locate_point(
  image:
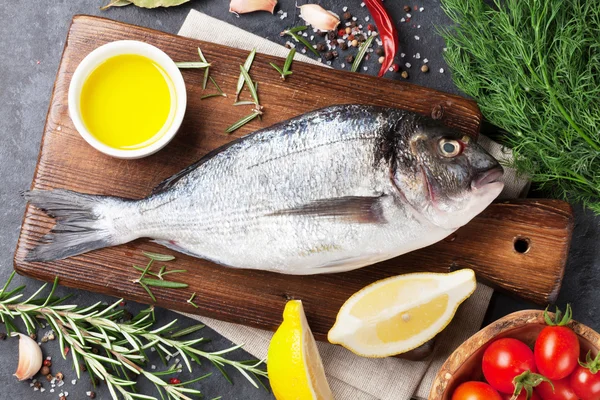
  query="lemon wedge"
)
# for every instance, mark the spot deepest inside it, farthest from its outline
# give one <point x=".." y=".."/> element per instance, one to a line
<point x="398" y="314"/>
<point x="294" y="364"/>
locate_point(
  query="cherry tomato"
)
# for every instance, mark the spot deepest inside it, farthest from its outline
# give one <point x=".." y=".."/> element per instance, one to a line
<point x="505" y="359"/>
<point x="522" y="396"/>
<point x="562" y="390"/>
<point x="585" y="383"/>
<point x="556" y="352"/>
<point x="475" y="391"/>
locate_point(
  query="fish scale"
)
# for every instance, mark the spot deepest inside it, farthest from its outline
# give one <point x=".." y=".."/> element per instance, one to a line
<point x="329" y="191"/>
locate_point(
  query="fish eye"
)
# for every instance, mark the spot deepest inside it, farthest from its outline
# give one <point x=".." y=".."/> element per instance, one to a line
<point x="450" y="147"/>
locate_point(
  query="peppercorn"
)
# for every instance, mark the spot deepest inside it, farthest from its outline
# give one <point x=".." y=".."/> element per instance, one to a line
<point x="370" y="27"/>
<point x="92" y="395"/>
<point x="381" y="60"/>
<point x="321" y="47"/>
<point x="63" y="398"/>
<point x="360" y="38"/>
<point x="379" y="51"/>
<point x="59" y="376"/>
<point x="95" y="381"/>
<point x="348" y="30"/>
<point x="353" y="24"/>
<point x="335" y="54"/>
<point x="47" y="363"/>
<point x="37" y="385"/>
<point x="331" y="35"/>
<point x="44" y="339"/>
<point x="425" y="68"/>
<point x="350" y="59"/>
<point x="33" y="336"/>
<point x="329" y="56"/>
<point x="354" y="43"/>
<point x="404" y="74"/>
<point x="2" y="335"/>
<point x="45" y="370"/>
<point x="347" y="16"/>
<point x="174" y="381"/>
<point x="127" y="316"/>
<point x="95" y="350"/>
<point x="322" y="33"/>
<point x="51" y="336"/>
<point x="350" y="37"/>
<point x="406" y="8"/>
<point x="344" y="46"/>
<point x="82" y="368"/>
<point x="49" y="377"/>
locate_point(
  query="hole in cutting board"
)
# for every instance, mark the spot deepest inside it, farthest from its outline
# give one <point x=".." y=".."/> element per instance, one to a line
<point x="522" y="245"/>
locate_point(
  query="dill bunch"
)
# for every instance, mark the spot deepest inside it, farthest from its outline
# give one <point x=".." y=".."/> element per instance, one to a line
<point x="534" y="68"/>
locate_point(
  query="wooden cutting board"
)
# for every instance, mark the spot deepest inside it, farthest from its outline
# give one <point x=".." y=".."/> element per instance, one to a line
<point x="540" y="229"/>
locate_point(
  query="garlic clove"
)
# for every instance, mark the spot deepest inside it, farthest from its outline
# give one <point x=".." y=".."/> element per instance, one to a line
<point x="30" y="357"/>
<point x="319" y="17"/>
<point x="246" y="6"/>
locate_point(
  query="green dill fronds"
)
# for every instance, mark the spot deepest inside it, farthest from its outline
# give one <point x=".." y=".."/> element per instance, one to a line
<point x="534" y="68"/>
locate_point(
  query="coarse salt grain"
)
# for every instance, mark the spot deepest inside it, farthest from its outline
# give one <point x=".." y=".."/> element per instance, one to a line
<point x="35" y="389"/>
<point x="153" y="366"/>
<point x="408" y="15"/>
<point x="42" y="390"/>
<point x="362" y="4"/>
<point x="403" y="20"/>
<point x="61" y="394"/>
<point x="417" y="38"/>
<point x="343" y="65"/>
<point x="305" y="34"/>
<point x="425" y="61"/>
<point x="407" y="65"/>
<point x="441" y="70"/>
<point x="366" y="19"/>
<point x="319" y="59"/>
<point x="60" y="383"/>
<point x="303" y="50"/>
<point x="88" y="393"/>
<point x="421" y="9"/>
<point x="418" y="26"/>
<point x="312" y="37"/>
<point x="445" y="49"/>
<point x="402" y="55"/>
<point x="348" y="23"/>
<point x="283" y="16"/>
<point x="51" y="390"/>
<point x="278" y="12"/>
<point x="74" y="381"/>
<point x="418" y="55"/>
<point x="365" y="68"/>
<point x="66" y="394"/>
<point x="31" y="385"/>
<point x="152" y="349"/>
<point x="345" y="8"/>
<point x="354" y="19"/>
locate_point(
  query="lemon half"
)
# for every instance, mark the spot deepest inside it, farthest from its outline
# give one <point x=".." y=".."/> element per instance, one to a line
<point x="398" y="314"/>
<point x="294" y="364"/>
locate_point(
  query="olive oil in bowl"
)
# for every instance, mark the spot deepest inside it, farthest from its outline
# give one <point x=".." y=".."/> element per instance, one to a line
<point x="126" y="102"/>
<point x="127" y="99"/>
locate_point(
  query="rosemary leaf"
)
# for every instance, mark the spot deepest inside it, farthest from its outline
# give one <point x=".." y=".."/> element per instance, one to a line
<point x="165" y="284"/>
<point x="218" y="87"/>
<point x="242" y="122"/>
<point x="187" y="331"/>
<point x="247" y="65"/>
<point x="277" y="68"/>
<point x="208" y="96"/>
<point x="361" y="53"/>
<point x="158" y="257"/>
<point x="205" y="80"/>
<point x="243" y="103"/>
<point x="174" y="271"/>
<point x="191" y="300"/>
<point x="192" y="64"/>
<point x="147" y="289"/>
<point x="194" y="380"/>
<point x="201" y="55"/>
<point x="250" y="85"/>
<point x="300" y="39"/>
<point x="298" y="29"/>
<point x="288" y="61"/>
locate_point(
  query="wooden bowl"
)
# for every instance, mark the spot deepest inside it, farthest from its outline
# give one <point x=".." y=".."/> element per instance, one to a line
<point x="465" y="363"/>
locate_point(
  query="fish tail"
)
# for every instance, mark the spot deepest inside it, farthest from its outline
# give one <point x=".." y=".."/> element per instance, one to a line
<point x="83" y="223"/>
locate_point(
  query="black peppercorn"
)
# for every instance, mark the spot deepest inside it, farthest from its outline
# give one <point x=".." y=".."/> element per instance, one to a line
<point x="37" y="385"/>
<point x="321" y="47"/>
<point x="353" y="24"/>
<point x="335" y="54"/>
<point x="380" y="52"/>
<point x="82" y="367"/>
<point x="344" y="45"/>
<point x="360" y="38"/>
<point x="407" y="9"/>
<point x="92" y="395"/>
<point x="2" y="335"/>
<point x="33" y="336"/>
<point x="288" y="46"/>
<point x="331" y="35"/>
<point x="322" y="33"/>
<point x="329" y="56"/>
<point x="350" y="59"/>
<point x="347" y="16"/>
<point x="45" y="370"/>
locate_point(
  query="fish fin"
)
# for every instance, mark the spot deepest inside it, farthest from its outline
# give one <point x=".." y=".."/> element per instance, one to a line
<point x="83" y="223"/>
<point x="357" y="209"/>
<point x="174" y="246"/>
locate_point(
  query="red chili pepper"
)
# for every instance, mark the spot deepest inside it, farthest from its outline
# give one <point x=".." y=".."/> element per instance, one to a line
<point x="387" y="32"/>
<point x="174" y="381"/>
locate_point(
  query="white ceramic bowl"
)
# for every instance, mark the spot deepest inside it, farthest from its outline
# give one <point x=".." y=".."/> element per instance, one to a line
<point x="97" y="57"/>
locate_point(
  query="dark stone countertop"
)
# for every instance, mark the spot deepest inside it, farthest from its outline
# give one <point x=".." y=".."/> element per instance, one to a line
<point x="32" y="36"/>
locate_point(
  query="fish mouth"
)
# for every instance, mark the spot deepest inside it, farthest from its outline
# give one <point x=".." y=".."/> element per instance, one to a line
<point x="487" y="177"/>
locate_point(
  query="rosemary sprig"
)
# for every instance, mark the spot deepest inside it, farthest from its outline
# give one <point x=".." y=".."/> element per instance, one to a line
<point x="253" y="88"/>
<point x="247" y="65"/>
<point x="191" y="300"/>
<point x="122" y="345"/>
<point x="293" y="33"/>
<point x="361" y="53"/>
<point x="146" y="283"/>
<point x="286" y="66"/>
<point x="192" y="64"/>
<point x="205" y="80"/>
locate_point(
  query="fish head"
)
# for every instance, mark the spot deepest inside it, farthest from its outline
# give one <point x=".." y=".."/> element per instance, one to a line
<point x="445" y="175"/>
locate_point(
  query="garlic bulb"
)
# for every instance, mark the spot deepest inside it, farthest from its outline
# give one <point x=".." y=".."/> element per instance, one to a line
<point x="30" y="357"/>
<point x="319" y="17"/>
<point x="246" y="6"/>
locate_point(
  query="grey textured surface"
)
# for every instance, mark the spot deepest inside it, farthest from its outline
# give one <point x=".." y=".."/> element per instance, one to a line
<point x="32" y="35"/>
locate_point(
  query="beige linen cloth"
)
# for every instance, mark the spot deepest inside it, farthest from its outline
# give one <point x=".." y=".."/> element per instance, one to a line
<point x="351" y="376"/>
